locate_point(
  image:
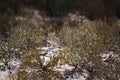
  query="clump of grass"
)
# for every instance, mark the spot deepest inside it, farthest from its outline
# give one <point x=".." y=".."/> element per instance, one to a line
<point x="33" y="67"/>
<point x="85" y="43"/>
<point x="24" y="39"/>
<point x="22" y="36"/>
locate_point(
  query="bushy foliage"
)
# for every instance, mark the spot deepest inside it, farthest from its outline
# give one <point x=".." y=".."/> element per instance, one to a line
<point x="22" y="36"/>
<point x="86" y="43"/>
<point x="33" y="68"/>
<point x="23" y="43"/>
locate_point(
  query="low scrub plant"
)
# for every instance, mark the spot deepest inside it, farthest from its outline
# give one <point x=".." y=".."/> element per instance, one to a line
<point x="84" y="45"/>
<point x="22" y="36"/>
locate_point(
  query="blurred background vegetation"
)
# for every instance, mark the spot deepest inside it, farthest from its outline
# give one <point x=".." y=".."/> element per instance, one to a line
<point x="93" y="9"/>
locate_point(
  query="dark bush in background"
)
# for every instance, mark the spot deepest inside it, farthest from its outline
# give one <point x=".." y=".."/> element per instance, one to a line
<point x="91" y="8"/>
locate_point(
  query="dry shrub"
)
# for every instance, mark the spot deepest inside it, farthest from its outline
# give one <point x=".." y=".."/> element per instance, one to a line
<point x="22" y="36"/>
<point x="33" y="68"/>
<point x="85" y="43"/>
<point x="25" y="37"/>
